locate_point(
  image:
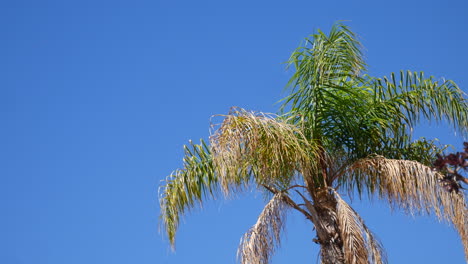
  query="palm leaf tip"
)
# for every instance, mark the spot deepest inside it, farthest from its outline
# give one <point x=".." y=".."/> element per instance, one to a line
<point x="186" y="187"/>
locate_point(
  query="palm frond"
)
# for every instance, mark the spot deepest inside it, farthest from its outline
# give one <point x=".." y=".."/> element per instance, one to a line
<point x="253" y="144"/>
<point x="259" y="243"/>
<point x="325" y="63"/>
<point x="411" y="96"/>
<point x="324" y="58"/>
<point x="184" y="187"/>
<point x="379" y="115"/>
<point x="411" y="186"/>
<point x="359" y="244"/>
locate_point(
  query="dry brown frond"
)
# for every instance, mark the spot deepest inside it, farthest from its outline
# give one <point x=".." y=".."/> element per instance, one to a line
<point x="359" y="245"/>
<point x="253" y="144"/>
<point x="412" y="186"/>
<point x="259" y="243"/>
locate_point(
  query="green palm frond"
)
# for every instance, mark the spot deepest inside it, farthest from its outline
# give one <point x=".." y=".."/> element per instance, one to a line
<point x="358" y="114"/>
<point x="324" y="62"/>
<point x="259" y="243"/>
<point x="421" y="150"/>
<point x="382" y="115"/>
<point x="327" y="58"/>
<point x="411" y="96"/>
<point x="184" y="187"/>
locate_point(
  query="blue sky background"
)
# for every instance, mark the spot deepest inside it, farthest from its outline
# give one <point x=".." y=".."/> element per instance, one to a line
<point x="97" y="99"/>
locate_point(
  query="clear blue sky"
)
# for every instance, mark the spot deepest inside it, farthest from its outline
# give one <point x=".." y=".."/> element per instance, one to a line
<point x="97" y="99"/>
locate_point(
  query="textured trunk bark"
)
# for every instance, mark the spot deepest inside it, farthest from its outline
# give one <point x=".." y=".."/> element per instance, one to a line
<point x="325" y="220"/>
<point x="328" y="236"/>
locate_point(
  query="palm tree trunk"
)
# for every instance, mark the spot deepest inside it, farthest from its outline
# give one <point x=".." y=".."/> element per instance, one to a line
<point x="325" y="220"/>
<point x="328" y="236"/>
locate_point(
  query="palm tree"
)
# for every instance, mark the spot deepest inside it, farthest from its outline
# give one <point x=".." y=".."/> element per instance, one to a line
<point x="340" y="131"/>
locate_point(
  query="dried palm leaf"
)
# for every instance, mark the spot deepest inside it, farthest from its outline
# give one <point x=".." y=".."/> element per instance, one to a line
<point x="254" y="144"/>
<point x="359" y="244"/>
<point x="413" y="187"/>
<point x="259" y="243"/>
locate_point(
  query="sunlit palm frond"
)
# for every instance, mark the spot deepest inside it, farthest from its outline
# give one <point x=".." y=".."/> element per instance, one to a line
<point x="253" y="144"/>
<point x="411" y="96"/>
<point x="184" y="187"/>
<point x="259" y="243"/>
<point x="325" y="64"/>
<point x="379" y="115"/>
<point x="359" y="244"/>
<point x="325" y="58"/>
<point x="411" y="186"/>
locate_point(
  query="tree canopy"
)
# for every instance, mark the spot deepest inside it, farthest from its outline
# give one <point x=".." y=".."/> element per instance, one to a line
<point x="338" y="131"/>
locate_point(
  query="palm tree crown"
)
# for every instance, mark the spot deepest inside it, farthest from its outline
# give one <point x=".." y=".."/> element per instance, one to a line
<point x="339" y="131"/>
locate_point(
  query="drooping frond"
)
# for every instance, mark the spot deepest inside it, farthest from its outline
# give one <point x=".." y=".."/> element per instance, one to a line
<point x="259" y="243"/>
<point x="359" y="244"/>
<point x="411" y="96"/>
<point x="411" y="186"/>
<point x="184" y="187"/>
<point x="378" y="115"/>
<point x="384" y="116"/>
<point x="253" y="144"/>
